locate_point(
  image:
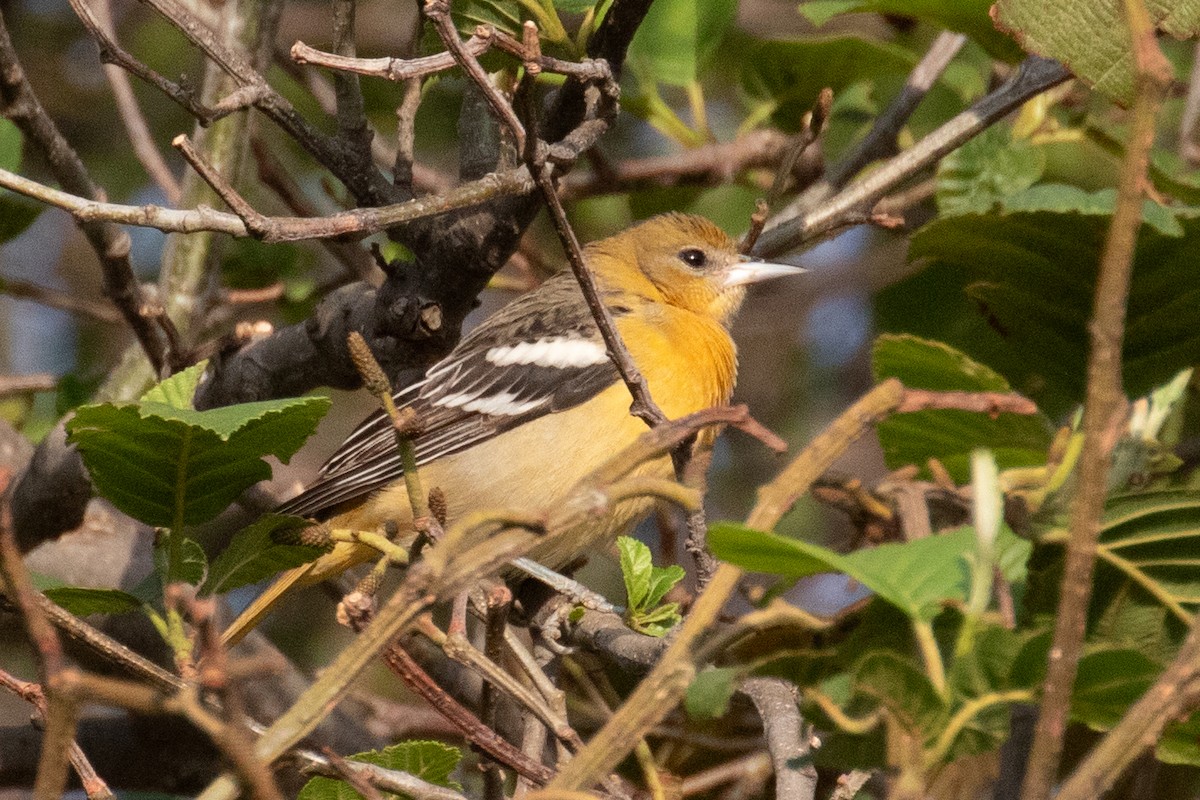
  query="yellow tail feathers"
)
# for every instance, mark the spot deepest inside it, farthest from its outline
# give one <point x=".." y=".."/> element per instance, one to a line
<point x="343" y="556"/>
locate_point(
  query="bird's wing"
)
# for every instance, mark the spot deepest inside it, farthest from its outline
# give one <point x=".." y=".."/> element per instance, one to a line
<point x="539" y="355"/>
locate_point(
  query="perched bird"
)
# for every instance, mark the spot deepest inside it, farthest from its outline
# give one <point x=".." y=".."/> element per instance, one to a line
<point x="530" y="402"/>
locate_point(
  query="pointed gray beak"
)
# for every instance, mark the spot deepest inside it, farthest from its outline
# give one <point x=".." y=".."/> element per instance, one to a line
<point x="753" y="270"/>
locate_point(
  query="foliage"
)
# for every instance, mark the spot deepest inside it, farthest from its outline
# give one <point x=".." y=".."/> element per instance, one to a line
<point x="645" y="587"/>
<point x="935" y="640"/>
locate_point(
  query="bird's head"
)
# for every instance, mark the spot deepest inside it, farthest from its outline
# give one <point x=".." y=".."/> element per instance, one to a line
<point x="683" y="260"/>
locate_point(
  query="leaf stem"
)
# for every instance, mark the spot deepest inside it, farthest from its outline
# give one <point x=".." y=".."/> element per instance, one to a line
<point x="931" y="655"/>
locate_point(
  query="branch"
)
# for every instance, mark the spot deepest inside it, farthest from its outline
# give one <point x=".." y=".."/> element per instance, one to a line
<point x="19" y="103"/>
<point x="1103" y="411"/>
<point x="22" y="290"/>
<point x="880" y="142"/>
<point x="358" y="222"/>
<point x="795" y="225"/>
<point x="787" y="740"/>
<point x="134" y="121"/>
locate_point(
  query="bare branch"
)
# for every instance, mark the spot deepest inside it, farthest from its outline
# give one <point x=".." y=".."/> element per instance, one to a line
<point x="788" y="740"/>
<point x="796" y="224"/>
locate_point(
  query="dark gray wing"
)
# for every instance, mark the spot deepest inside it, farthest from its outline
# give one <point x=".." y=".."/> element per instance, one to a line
<point x="539" y="355"/>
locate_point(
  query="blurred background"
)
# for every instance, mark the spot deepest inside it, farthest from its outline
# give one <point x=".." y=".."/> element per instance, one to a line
<point x="804" y="343"/>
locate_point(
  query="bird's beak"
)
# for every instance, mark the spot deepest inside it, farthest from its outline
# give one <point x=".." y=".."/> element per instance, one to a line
<point x="752" y="270"/>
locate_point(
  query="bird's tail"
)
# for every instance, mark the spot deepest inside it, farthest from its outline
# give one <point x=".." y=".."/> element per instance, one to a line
<point x="343" y="556"/>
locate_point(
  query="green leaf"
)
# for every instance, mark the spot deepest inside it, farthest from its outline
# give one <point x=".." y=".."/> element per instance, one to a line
<point x="82" y="601"/>
<point x="254" y="554"/>
<point x="709" y="693"/>
<point x="636" y="564"/>
<point x="916" y="577"/>
<point x="964" y="16"/>
<point x="16" y="215"/>
<point x="178" y="390"/>
<point x="160" y="461"/>
<point x="662" y="580"/>
<point x="1108" y="682"/>
<point x="193" y="564"/>
<point x="678" y="38"/>
<point x="1063" y="199"/>
<point x="16" y="212"/>
<point x="903" y="691"/>
<point x="1011" y="289"/>
<point x="818" y="12"/>
<point x="10" y="146"/>
<point x="787" y="76"/>
<point x="1092" y="38"/>
<point x="1017" y="440"/>
<point x="429" y="761"/>
<point x="985" y="170"/>
<point x="1150" y="550"/>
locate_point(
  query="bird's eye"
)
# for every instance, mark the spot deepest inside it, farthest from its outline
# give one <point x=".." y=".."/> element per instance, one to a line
<point x="693" y="257"/>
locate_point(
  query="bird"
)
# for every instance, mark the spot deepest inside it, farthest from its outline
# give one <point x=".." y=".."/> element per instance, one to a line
<point x="530" y="401"/>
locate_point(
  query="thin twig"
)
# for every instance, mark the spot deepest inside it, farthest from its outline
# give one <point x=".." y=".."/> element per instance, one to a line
<point x="438" y="12"/>
<point x="658" y="693"/>
<point x="22" y="290"/>
<point x="93" y="785"/>
<point x="25" y="384"/>
<point x="1172" y="697"/>
<point x="59" y="713"/>
<point x="389" y="780"/>
<point x="798" y="224"/>
<point x="1104" y="408"/>
<point x="134" y="121"/>
<point x="360" y="221"/>
<point x="112" y="245"/>
<point x="880" y="141"/>
<point x="389" y="68"/>
<point x="276" y="176"/>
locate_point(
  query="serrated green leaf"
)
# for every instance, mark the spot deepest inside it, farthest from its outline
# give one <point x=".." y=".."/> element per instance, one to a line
<point x="916" y="577"/>
<point x="678" y="38"/>
<point x="193" y="563"/>
<point x="1011" y="290"/>
<point x="709" y="693"/>
<point x="82" y="601"/>
<point x="1091" y="37"/>
<point x="1064" y="199"/>
<point x="176" y="391"/>
<point x="662" y="580"/>
<point x="636" y="566"/>
<point x="985" y="170"/>
<point x="429" y="761"/>
<point x="656" y="622"/>
<point x="254" y="554"/>
<point x="1017" y="440"/>
<point x="150" y="456"/>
